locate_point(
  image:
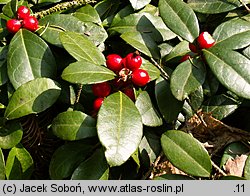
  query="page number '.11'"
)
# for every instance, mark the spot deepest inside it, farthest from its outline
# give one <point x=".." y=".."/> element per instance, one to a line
<point x="240" y="188"/>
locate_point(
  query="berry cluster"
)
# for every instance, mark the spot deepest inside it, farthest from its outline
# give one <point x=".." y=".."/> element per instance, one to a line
<point x="129" y="75"/>
<point x="24" y="19"/>
<point x="203" y="41"/>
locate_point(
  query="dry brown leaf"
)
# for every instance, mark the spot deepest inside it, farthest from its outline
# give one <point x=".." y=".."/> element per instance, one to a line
<point x="235" y="166"/>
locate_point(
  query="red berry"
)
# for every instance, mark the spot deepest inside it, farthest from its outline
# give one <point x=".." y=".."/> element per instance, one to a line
<point x="140" y="77"/>
<point x="30" y="23"/>
<point x="205" y="40"/>
<point x="130" y="93"/>
<point x="133" y="61"/>
<point x="193" y="47"/>
<point x="23" y="12"/>
<point x="184" y="58"/>
<point x="98" y="103"/>
<point x="101" y="89"/>
<point x="114" y="62"/>
<point x="13" y="25"/>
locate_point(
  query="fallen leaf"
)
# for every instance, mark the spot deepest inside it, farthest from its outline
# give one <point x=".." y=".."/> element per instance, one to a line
<point x="235" y="166"/>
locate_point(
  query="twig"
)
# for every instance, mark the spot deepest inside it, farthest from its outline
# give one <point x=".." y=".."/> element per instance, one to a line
<point x="219" y="169"/>
<point x="62" y="6"/>
<point x="163" y="72"/>
<point x="78" y="94"/>
<point x="245" y="5"/>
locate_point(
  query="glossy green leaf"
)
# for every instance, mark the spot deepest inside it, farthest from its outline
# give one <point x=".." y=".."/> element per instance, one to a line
<point x="10" y="135"/>
<point x="128" y="10"/>
<point x="168" y="105"/>
<point x="3" y="65"/>
<point x="247" y="168"/>
<point x="173" y="177"/>
<point x="142" y="42"/>
<point x="119" y="128"/>
<point x="29" y="57"/>
<point x="94" y="168"/>
<point x="177" y="52"/>
<point x="186" y="153"/>
<point x="148" y="113"/>
<point x="143" y="23"/>
<point x="149" y="148"/>
<point x="196" y="98"/>
<point x="107" y="8"/>
<point x="81" y="48"/>
<point x="32" y="97"/>
<point x="231" y="68"/>
<point x="180" y="18"/>
<point x="19" y="164"/>
<point x="233" y="34"/>
<point x="213" y="6"/>
<point x="220" y="106"/>
<point x="88" y="13"/>
<point x="67" y="158"/>
<point x="73" y="125"/>
<point x="246" y="52"/>
<point x="58" y="23"/>
<point x="138" y="4"/>
<point x="152" y="70"/>
<point x="2" y="165"/>
<point x="186" y="78"/>
<point x="84" y="72"/>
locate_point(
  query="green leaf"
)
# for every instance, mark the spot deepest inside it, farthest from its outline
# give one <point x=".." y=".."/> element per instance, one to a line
<point x="180" y="18"/>
<point x="149" y="148"/>
<point x="233" y="34"/>
<point x="94" y="168"/>
<point x="3" y="65"/>
<point x="168" y="105"/>
<point x="196" y="98"/>
<point x="19" y="164"/>
<point x="152" y="70"/>
<point x="29" y="57"/>
<point x="220" y="106"/>
<point x="213" y="6"/>
<point x="107" y="8"/>
<point x="84" y="72"/>
<point x="144" y="23"/>
<point x="247" y="168"/>
<point x="138" y="4"/>
<point x="186" y="78"/>
<point x="148" y="113"/>
<point x="2" y="165"/>
<point x="73" y="125"/>
<point x="186" y="153"/>
<point x="142" y="42"/>
<point x="58" y="23"/>
<point x="232" y="178"/>
<point x="246" y="52"/>
<point x="231" y="68"/>
<point x="119" y="128"/>
<point x="32" y="97"/>
<point x="173" y="177"/>
<point x="81" y="48"/>
<point x="88" y="14"/>
<point x="67" y="158"/>
<point x="232" y="151"/>
<point x="10" y="135"/>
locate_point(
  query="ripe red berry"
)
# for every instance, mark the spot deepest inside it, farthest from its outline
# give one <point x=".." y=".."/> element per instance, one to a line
<point x="13" y="25"/>
<point x="98" y="103"/>
<point x="101" y="89"/>
<point x="114" y="62"/>
<point x="130" y="93"/>
<point x="23" y="12"/>
<point x="30" y="23"/>
<point x="140" y="77"/>
<point x="133" y="61"/>
<point x="193" y="47"/>
<point x="205" y="40"/>
<point x="184" y="58"/>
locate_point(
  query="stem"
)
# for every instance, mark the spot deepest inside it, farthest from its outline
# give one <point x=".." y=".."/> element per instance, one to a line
<point x="247" y="8"/>
<point x="62" y="6"/>
<point x="163" y="72"/>
<point x="219" y="169"/>
<point x="78" y="94"/>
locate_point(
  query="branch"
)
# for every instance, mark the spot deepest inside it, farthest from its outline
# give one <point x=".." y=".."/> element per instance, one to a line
<point x="163" y="72"/>
<point x="62" y="6"/>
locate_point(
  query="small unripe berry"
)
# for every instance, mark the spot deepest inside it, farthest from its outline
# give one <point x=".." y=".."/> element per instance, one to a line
<point x="23" y="12"/>
<point x="205" y="40"/>
<point x="13" y="25"/>
<point x="30" y="23"/>
<point x="101" y="89"/>
<point x="140" y="77"/>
